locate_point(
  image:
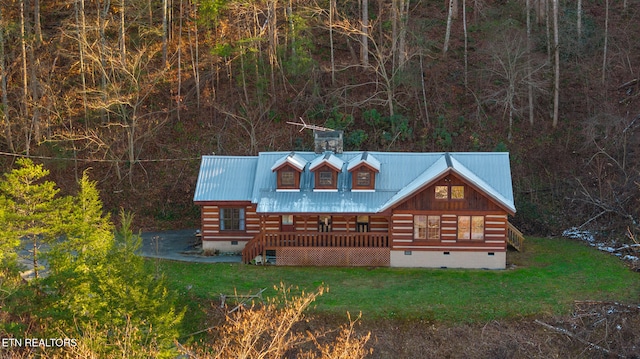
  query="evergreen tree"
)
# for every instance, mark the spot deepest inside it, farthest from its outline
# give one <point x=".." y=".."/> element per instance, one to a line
<point x="29" y="209"/>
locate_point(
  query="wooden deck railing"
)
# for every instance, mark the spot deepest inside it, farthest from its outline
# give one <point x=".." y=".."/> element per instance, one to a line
<point x="515" y="237"/>
<point x="264" y="241"/>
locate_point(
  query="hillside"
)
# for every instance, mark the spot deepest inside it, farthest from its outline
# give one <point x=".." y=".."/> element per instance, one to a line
<point x="138" y="93"/>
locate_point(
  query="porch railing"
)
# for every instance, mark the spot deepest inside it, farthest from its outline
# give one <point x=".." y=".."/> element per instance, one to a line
<point x="272" y="240"/>
<point x="515" y="238"/>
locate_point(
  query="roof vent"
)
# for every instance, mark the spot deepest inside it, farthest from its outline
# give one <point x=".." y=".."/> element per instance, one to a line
<point x="328" y="141"/>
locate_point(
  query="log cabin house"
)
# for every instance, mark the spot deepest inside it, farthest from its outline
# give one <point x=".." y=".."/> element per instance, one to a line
<point x="359" y="208"/>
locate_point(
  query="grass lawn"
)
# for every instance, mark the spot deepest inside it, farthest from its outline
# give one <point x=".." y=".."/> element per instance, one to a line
<point x="548" y="276"/>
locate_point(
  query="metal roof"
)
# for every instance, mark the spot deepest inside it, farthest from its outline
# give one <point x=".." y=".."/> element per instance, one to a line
<point x="364" y="158"/>
<point x="329" y="159"/>
<point x="401" y="174"/>
<point x="225" y="178"/>
<point x="293" y="159"/>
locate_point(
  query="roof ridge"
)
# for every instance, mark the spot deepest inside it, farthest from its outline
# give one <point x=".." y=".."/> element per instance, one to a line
<point x="447" y="158"/>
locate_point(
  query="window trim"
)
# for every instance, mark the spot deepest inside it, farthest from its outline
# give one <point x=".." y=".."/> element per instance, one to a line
<point x="296" y="178"/>
<point x="479" y="235"/>
<point x="325" y="170"/>
<point x="363" y="168"/>
<point x="449" y="192"/>
<point x="241" y="214"/>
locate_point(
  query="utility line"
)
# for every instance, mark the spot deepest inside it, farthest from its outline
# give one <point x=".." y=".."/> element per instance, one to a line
<point x="95" y="160"/>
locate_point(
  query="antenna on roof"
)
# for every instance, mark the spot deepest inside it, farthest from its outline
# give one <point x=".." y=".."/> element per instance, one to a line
<point x="304" y="125"/>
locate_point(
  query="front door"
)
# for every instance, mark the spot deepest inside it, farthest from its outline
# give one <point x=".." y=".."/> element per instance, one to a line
<point x="286" y="223"/>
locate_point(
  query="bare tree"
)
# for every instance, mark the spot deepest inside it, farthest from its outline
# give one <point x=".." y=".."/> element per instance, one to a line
<point x="530" y="86"/>
<point x="194" y="48"/>
<point x="6" y="124"/>
<point x="25" y="82"/>
<point x="123" y="36"/>
<point x="606" y="41"/>
<point x="447" y="34"/>
<point x="364" y="41"/>
<point x="556" y="66"/>
<point x="511" y="74"/>
<point x="81" y="34"/>
<point x="579" y="19"/>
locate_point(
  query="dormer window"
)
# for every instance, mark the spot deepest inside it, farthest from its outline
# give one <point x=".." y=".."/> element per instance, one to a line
<point x="287" y="178"/>
<point x="288" y="170"/>
<point x="363" y="178"/>
<point x="325" y="178"/>
<point x="363" y="171"/>
<point x="326" y="169"/>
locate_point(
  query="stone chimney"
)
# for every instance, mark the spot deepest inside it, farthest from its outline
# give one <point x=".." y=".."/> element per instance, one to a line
<point x="328" y="141"/>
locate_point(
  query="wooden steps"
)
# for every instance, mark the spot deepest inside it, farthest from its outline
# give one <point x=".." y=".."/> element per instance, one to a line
<point x="514" y="237"/>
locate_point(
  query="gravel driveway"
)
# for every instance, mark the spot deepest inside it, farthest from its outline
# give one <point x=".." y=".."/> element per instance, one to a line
<point x="179" y="245"/>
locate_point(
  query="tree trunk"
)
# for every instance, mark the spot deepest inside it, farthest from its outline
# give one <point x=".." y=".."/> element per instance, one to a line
<point x="402" y="40"/>
<point x="82" y="39"/>
<point x="3" y="83"/>
<point x="179" y="89"/>
<point x="529" y="84"/>
<point x="196" y="56"/>
<point x="102" y="21"/>
<point x="273" y="42"/>
<point x="25" y="84"/>
<point x="579" y="19"/>
<point x="466" y="42"/>
<point x="364" y="43"/>
<point x="36" y="15"/>
<point x="123" y="38"/>
<point x="606" y="41"/>
<point x="164" y="33"/>
<point x="447" y="34"/>
<point x="332" y="8"/>
<point x="556" y="45"/>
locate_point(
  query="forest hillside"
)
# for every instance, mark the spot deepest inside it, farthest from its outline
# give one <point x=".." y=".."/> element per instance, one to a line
<point x="138" y="90"/>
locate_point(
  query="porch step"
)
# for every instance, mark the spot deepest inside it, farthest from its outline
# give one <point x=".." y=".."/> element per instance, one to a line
<point x="515" y="238"/>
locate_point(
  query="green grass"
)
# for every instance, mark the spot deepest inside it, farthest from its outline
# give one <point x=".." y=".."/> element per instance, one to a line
<point x="548" y="276"/>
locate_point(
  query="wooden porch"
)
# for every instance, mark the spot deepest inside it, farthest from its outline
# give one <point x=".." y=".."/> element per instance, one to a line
<point x="282" y="240"/>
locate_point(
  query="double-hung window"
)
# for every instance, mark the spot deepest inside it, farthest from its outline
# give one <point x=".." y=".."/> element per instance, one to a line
<point x="470" y="227"/>
<point x="232" y="219"/>
<point x="426" y="227"/>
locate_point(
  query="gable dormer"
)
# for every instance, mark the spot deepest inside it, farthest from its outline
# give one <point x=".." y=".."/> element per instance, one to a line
<point x="288" y="170"/>
<point x="326" y="169"/>
<point x="363" y="171"/>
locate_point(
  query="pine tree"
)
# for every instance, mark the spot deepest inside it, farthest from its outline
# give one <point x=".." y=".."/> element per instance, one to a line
<point x="30" y="208"/>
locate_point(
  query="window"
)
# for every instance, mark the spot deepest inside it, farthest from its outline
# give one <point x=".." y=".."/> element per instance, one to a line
<point x="362" y="223"/>
<point x="325" y="178"/>
<point x="457" y="192"/>
<point x="449" y="192"/>
<point x="442" y="192"/>
<point x="471" y="227"/>
<point x="420" y="227"/>
<point x="477" y="227"/>
<point x="324" y="223"/>
<point x="363" y="178"/>
<point x="426" y="227"/>
<point x="232" y="219"/>
<point x="287" y="179"/>
<point x="464" y="227"/>
<point x="433" y="227"/>
<point x="287" y="219"/>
